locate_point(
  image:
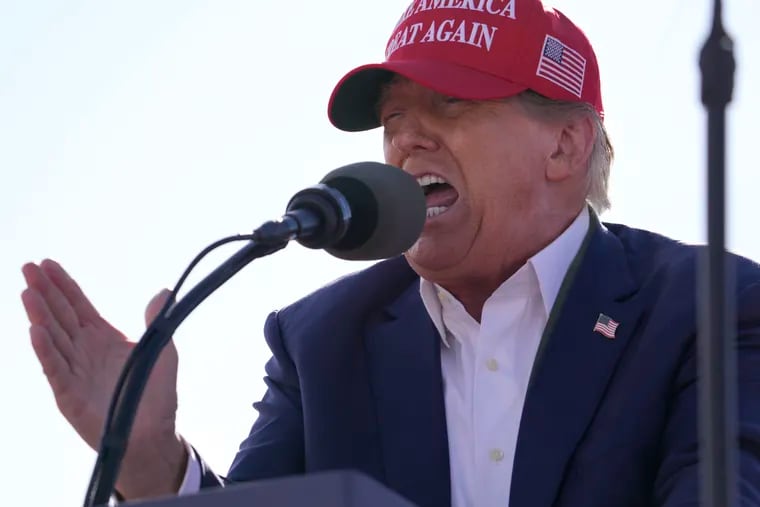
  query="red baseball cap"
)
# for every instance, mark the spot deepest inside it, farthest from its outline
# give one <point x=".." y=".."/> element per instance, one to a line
<point x="475" y="50"/>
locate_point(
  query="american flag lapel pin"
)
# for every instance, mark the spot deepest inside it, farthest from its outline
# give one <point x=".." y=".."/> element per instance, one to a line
<point x="606" y="326"/>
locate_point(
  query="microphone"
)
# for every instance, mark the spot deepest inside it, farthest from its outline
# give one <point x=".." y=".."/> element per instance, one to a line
<point x="362" y="211"/>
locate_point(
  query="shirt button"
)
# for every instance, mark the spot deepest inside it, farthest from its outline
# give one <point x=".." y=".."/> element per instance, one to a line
<point x="492" y="364"/>
<point x="497" y="454"/>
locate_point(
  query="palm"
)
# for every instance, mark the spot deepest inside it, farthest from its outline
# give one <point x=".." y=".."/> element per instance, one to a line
<point x="83" y="355"/>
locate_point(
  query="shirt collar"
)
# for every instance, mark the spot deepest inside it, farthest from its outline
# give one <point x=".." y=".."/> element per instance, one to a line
<point x="550" y="266"/>
<point x="551" y="263"/>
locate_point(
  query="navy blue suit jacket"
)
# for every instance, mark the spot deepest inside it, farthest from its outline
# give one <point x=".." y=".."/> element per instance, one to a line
<point x="355" y="383"/>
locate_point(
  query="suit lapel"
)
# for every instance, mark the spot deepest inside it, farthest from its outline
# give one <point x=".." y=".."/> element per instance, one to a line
<point x="573" y="366"/>
<point x="405" y="372"/>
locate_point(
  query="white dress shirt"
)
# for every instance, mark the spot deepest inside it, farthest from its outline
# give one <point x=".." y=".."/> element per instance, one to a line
<point x="486" y="367"/>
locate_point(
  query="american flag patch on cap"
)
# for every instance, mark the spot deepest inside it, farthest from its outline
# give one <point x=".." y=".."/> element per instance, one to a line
<point x="562" y="66"/>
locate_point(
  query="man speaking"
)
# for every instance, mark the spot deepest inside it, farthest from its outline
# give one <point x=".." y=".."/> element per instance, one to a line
<point x="520" y="353"/>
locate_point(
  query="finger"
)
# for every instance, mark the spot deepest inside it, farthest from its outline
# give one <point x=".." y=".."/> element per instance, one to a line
<point x="83" y="308"/>
<point x="40" y="316"/>
<point x="156" y="305"/>
<point x="55" y="300"/>
<point x="54" y="363"/>
<point x="58" y="372"/>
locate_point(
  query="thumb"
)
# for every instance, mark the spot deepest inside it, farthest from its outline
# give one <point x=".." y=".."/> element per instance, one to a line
<point x="155" y="305"/>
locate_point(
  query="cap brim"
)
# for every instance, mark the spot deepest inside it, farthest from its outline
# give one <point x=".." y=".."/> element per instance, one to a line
<point x="353" y="104"/>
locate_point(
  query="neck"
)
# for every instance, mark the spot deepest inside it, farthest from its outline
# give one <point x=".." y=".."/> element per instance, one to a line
<point x="479" y="283"/>
<point x="474" y="291"/>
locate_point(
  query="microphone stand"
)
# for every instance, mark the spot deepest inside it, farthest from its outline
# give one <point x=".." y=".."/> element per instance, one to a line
<point x="717" y="341"/>
<point x="146" y="353"/>
<point x="317" y="217"/>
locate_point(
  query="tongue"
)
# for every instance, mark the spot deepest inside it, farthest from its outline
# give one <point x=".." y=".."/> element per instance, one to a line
<point x="443" y="195"/>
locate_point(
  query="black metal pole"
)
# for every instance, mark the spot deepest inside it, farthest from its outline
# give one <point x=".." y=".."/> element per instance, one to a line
<point x="716" y="352"/>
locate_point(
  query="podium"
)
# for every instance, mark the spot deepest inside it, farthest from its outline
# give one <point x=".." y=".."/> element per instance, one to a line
<point x="323" y="489"/>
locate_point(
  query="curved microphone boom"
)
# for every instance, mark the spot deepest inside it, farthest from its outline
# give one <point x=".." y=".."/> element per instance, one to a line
<point x="362" y="211"/>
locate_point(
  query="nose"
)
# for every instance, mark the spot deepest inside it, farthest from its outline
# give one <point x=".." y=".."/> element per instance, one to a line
<point x="410" y="136"/>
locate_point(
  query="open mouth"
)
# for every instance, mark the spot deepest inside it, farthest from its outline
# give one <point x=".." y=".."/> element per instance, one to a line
<point x="439" y="194"/>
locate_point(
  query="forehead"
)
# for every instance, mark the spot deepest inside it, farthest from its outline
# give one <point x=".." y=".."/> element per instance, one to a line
<point x="398" y="85"/>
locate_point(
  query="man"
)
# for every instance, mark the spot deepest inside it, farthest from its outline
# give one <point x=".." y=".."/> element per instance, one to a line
<point x="520" y="353"/>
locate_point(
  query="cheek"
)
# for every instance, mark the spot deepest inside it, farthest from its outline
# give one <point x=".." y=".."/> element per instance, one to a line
<point x="502" y="186"/>
<point x="392" y="156"/>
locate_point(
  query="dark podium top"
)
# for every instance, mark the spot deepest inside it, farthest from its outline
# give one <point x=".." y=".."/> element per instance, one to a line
<point x="324" y="489"/>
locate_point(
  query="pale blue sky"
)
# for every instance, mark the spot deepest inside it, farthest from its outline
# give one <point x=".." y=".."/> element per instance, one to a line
<point x="133" y="134"/>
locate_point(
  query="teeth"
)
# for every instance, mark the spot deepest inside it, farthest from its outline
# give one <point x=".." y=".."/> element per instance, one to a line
<point x="436" y="210"/>
<point x="429" y="179"/>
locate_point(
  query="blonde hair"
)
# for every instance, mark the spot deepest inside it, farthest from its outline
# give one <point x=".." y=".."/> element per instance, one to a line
<point x="602" y="154"/>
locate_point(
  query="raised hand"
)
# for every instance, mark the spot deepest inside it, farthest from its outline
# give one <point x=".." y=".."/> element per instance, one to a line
<point x="82" y="356"/>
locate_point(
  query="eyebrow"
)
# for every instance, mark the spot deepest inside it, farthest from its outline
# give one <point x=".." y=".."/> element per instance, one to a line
<point x="385" y="91"/>
<point x="382" y="97"/>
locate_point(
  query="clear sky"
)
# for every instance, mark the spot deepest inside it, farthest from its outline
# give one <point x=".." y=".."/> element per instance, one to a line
<point x="133" y="134"/>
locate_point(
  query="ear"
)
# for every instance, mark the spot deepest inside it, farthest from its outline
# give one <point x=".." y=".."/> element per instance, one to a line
<point x="574" y="143"/>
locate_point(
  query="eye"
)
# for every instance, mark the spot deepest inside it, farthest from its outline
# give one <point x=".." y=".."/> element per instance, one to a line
<point x="451" y="107"/>
<point x="449" y="100"/>
<point x="389" y="117"/>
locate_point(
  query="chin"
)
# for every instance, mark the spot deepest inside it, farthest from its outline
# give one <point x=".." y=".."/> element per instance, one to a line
<point x="428" y="260"/>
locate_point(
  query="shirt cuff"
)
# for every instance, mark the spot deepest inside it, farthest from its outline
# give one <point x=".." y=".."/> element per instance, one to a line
<point x="191" y="483"/>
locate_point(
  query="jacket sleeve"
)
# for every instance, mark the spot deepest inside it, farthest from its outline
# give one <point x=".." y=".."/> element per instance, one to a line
<point x="677" y="481"/>
<point x="275" y="445"/>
